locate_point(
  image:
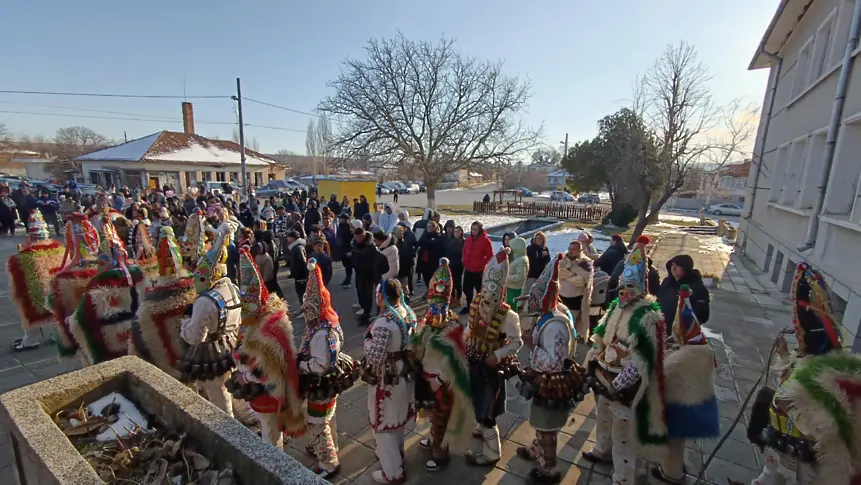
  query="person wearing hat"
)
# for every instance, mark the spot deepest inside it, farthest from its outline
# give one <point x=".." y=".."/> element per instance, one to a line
<point x="369" y="225"/>
<point x="586" y="239"/>
<point x="36" y="261"/>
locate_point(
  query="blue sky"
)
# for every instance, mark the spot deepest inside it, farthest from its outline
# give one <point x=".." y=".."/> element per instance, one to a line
<point x="581" y="57"/>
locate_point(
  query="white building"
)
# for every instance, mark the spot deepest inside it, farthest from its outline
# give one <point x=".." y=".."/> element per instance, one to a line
<point x="804" y="202"/>
<point x="557" y="179"/>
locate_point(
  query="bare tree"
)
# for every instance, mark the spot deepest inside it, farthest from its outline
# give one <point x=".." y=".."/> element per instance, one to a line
<point x="731" y="144"/>
<point x="546" y="156"/>
<point x="4" y="135"/>
<point x="427" y="106"/>
<point x="675" y="100"/>
<point x="72" y="142"/>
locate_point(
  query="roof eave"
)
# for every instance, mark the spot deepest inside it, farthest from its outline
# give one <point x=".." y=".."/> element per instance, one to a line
<point x="761" y="59"/>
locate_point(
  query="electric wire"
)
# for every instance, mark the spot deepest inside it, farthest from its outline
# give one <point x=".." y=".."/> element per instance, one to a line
<point x="264" y="103"/>
<point x="109" y="95"/>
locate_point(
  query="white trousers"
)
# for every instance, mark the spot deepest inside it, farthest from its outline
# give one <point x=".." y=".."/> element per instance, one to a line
<point x="270" y="430"/>
<point x="613" y="434"/>
<point x="390" y="449"/>
<point x="784" y="470"/>
<point x="217" y="393"/>
<point x="32" y="336"/>
<point x="673" y="464"/>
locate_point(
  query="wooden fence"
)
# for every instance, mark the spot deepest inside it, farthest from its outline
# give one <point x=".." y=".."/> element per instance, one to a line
<point x="580" y="212"/>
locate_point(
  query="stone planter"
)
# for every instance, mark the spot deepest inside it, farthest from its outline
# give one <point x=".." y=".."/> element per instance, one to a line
<point x="44" y="456"/>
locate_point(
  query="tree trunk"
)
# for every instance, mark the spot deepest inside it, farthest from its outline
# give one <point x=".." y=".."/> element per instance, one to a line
<point x="430" y="187"/>
<point x="642" y="218"/>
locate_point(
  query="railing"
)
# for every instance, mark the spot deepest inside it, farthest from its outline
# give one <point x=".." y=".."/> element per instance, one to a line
<point x="586" y="213"/>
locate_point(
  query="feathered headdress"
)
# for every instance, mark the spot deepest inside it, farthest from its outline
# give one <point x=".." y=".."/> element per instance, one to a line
<point x="212" y="266"/>
<point x="82" y="241"/>
<point x="112" y="251"/>
<point x="37" y="227"/>
<point x="254" y="292"/>
<point x="816" y="328"/>
<point x="543" y="295"/>
<point x="633" y="281"/>
<point x="317" y="302"/>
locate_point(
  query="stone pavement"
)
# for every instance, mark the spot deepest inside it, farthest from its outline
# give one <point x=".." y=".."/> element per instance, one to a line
<point x="747" y="311"/>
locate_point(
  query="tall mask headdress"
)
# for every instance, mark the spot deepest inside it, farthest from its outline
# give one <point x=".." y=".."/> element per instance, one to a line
<point x="495" y="278"/>
<point x="194" y="239"/>
<point x="543" y="296"/>
<point x="37" y="227"/>
<point x="169" y="258"/>
<point x="686" y="326"/>
<point x="112" y="251"/>
<point x="82" y="241"/>
<point x="633" y="280"/>
<point x="141" y="242"/>
<point x="103" y="203"/>
<point x="254" y="292"/>
<point x="212" y="266"/>
<point x="317" y="302"/>
<point x="439" y="294"/>
<point x="816" y="328"/>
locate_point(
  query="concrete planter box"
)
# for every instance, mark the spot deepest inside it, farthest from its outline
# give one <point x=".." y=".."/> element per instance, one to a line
<point x="710" y="282"/>
<point x="44" y="456"/>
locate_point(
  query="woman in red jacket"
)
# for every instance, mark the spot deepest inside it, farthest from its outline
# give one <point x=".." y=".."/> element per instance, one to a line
<point x="477" y="251"/>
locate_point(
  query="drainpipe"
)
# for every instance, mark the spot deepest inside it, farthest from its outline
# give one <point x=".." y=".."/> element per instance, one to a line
<point x="833" y="128"/>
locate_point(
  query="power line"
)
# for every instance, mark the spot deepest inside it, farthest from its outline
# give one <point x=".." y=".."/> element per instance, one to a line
<point x="107" y="95"/>
<point x="85" y="109"/>
<point x="280" y="107"/>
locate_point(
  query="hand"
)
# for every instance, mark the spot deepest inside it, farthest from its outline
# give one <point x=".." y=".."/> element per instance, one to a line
<point x="491" y="360"/>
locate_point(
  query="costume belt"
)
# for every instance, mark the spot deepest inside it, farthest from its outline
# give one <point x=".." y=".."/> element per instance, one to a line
<point x="554" y="390"/>
<point x="507" y="368"/>
<point x="600" y="380"/>
<point x="213" y="357"/>
<point x="410" y="370"/>
<point x="337" y="379"/>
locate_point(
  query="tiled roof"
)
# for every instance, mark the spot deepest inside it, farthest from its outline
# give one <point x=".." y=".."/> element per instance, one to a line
<point x="736" y="170"/>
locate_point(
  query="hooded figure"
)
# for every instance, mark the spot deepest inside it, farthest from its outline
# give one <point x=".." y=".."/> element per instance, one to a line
<point x="421" y="225"/>
<point x="68" y="286"/>
<point x="443" y="391"/>
<point x="212" y="328"/>
<point x="668" y="291"/>
<point x="266" y="374"/>
<point x="626" y="372"/>
<point x="388" y="219"/>
<point x="519" y="268"/>
<point x="492" y="341"/>
<point x="156" y="331"/>
<point x="102" y="322"/>
<point x="36" y="262"/>
<point x="808" y="428"/>
<point x="553" y="381"/>
<point x="404" y="217"/>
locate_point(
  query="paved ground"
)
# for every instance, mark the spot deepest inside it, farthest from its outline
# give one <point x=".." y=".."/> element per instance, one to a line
<point x="746" y="313"/>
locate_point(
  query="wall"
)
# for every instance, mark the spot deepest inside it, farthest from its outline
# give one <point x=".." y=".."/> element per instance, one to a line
<point x="201" y="172"/>
<point x="793" y="161"/>
<point x="351" y="188"/>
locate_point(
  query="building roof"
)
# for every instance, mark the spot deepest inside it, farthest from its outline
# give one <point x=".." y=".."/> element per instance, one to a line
<point x="559" y="173"/>
<point x="177" y="147"/>
<point x="789" y="14"/>
<point x="740" y="170"/>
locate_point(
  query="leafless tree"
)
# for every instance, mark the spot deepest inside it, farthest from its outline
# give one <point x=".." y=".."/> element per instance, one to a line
<point x="425" y="105"/>
<point x="546" y="156"/>
<point x="732" y="142"/>
<point x="318" y="144"/>
<point x="4" y="135"/>
<point x="675" y="100"/>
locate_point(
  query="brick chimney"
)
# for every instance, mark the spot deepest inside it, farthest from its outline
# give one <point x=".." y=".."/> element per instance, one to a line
<point x="187" y="118"/>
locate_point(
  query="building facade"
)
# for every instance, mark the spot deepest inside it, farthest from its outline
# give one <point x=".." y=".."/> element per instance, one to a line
<point x="803" y="201"/>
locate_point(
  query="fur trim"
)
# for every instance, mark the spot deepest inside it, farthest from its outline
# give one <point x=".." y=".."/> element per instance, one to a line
<point x="67" y="291"/>
<point x="156" y="331"/>
<point x="29" y="270"/>
<point x="691" y="370"/>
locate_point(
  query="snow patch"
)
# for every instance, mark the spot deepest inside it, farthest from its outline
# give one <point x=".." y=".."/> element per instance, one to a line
<point x="130" y="416"/>
<point x="677" y="218"/>
<point x="715" y="244"/>
<point x="197" y="153"/>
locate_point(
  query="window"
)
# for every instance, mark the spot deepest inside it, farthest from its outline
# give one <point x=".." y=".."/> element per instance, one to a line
<point x="776" y="174"/>
<point x="841" y="31"/>
<point x="802" y="68"/>
<point x="821" y="48"/>
<point x="792" y="175"/>
<point x="843" y="181"/>
<point x="810" y="171"/>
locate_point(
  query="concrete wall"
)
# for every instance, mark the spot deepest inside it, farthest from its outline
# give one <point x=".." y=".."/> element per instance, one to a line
<point x="197" y="173"/>
<point x="793" y="161"/>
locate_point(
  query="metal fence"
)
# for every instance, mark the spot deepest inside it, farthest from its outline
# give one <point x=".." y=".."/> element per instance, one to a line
<point x="579" y="212"/>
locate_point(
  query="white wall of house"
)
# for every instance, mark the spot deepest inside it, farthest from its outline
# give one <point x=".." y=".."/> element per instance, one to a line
<point x="36" y="168"/>
<point x="793" y="161"/>
<point x="183" y="173"/>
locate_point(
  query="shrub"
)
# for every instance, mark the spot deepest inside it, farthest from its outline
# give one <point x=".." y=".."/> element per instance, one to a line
<point x="623" y="215"/>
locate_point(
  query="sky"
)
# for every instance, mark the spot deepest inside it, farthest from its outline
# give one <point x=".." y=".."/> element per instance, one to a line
<point x="581" y="58"/>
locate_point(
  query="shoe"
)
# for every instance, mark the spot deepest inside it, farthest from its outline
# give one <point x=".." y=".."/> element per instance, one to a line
<point x="426" y="443"/>
<point x="523" y="452"/>
<point x="595" y="458"/>
<point x="380" y="478"/>
<point x="346" y="286"/>
<point x="463" y="311"/>
<point x="324" y="473"/>
<point x="537" y="476"/>
<point x="658" y="472"/>
<point x="436" y="464"/>
<point x="360" y="312"/>
<point x="356" y="305"/>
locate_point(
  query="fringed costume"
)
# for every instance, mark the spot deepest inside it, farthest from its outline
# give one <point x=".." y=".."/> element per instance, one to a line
<point x="156" y="331"/>
<point x="553" y="381"/>
<point x="443" y="392"/>
<point x="810" y="427"/>
<point x="69" y="285"/>
<point x="388" y="371"/>
<point x="626" y="372"/>
<point x="212" y="328"/>
<point x="266" y="375"/>
<point x="194" y="241"/>
<point x="492" y="341"/>
<point x="29" y="273"/>
<point x="692" y="407"/>
<point x="102" y="322"/>
<point x="142" y="251"/>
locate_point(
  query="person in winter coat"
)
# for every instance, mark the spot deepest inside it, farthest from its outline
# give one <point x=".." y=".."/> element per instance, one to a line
<point x="477" y="251"/>
<point x="298" y="262"/>
<point x="312" y="217"/>
<point x="334" y="205"/>
<point x="680" y="271"/>
<point x="539" y="257"/>
<point x="246" y="217"/>
<point x="610" y="258"/>
<point x="518" y="269"/>
<point x="361" y="208"/>
<point x="329" y="232"/>
<point x="369" y="225"/>
<point x="341" y="248"/>
<point x="419" y="229"/>
<point x="407" y="255"/>
<point x="653" y="280"/>
<point x="375" y="215"/>
<point x="267" y="212"/>
<point x="370" y="266"/>
<point x="431" y="249"/>
<point x="404" y="216"/>
<point x="267" y="268"/>
<point x="388" y="246"/>
<point x="388" y="219"/>
<point x="454" y="253"/>
<point x="586" y="239"/>
<point x="323" y="260"/>
<point x="575" y="286"/>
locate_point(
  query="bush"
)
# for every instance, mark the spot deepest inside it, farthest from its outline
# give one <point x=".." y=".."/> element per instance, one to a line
<point x="621" y="216"/>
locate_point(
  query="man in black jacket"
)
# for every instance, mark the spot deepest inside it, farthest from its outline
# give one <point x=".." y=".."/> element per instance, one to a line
<point x="407" y="254"/>
<point x="610" y="258"/>
<point x="370" y="266"/>
<point x="341" y="250"/>
<point x="312" y="217"/>
<point x="361" y="208"/>
<point x="245" y="215"/>
<point x="680" y="271"/>
<point x="298" y="263"/>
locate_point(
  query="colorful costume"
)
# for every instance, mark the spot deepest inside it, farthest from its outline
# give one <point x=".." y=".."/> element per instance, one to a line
<point x="444" y="390"/>
<point x="29" y="271"/>
<point x="388" y="370"/>
<point x="212" y="328"/>
<point x="142" y="251"/>
<point x="325" y="371"/>
<point x="809" y="428"/>
<point x="265" y="358"/>
<point x="155" y="333"/>
<point x="194" y="239"/>
<point x="626" y="372"/>
<point x="692" y="407"/>
<point x="519" y="268"/>
<point x="103" y="208"/>
<point x="493" y="334"/>
<point x="68" y="286"/>
<point x="102" y="322"/>
<point x="553" y="381"/>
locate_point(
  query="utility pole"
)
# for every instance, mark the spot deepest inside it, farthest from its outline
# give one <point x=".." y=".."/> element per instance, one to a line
<point x="238" y="99"/>
<point x="565" y="146"/>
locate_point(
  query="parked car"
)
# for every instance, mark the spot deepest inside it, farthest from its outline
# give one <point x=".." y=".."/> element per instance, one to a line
<point x="412" y="187"/>
<point x="589" y="199"/>
<point x="422" y="187"/>
<point x="724" y="210"/>
<point x="561" y="196"/>
<point x="294" y="185"/>
<point x="397" y="187"/>
<point x="88" y="189"/>
<point x="383" y="189"/>
<point x="525" y="192"/>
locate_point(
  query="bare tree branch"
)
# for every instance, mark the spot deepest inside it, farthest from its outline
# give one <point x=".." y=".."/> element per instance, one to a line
<point x="732" y="143"/>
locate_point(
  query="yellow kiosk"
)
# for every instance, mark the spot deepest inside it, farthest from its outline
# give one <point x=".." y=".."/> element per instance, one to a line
<point x="352" y="188"/>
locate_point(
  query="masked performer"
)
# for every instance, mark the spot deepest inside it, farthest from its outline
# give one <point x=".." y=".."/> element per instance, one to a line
<point x="194" y="240"/>
<point x="492" y="341"/>
<point x="553" y="381"/>
<point x="155" y="333"/>
<point x="212" y="328"/>
<point x="444" y="390"/>
<point x="68" y="286"/>
<point x="266" y="374"/>
<point x="102" y="208"/>
<point x="29" y="270"/>
<point x="692" y="408"/>
<point x="325" y="370"/>
<point x="387" y="368"/>
<point x="626" y="372"/>
<point x="809" y="427"/>
<point x="102" y="322"/>
<point x="142" y="251"/>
